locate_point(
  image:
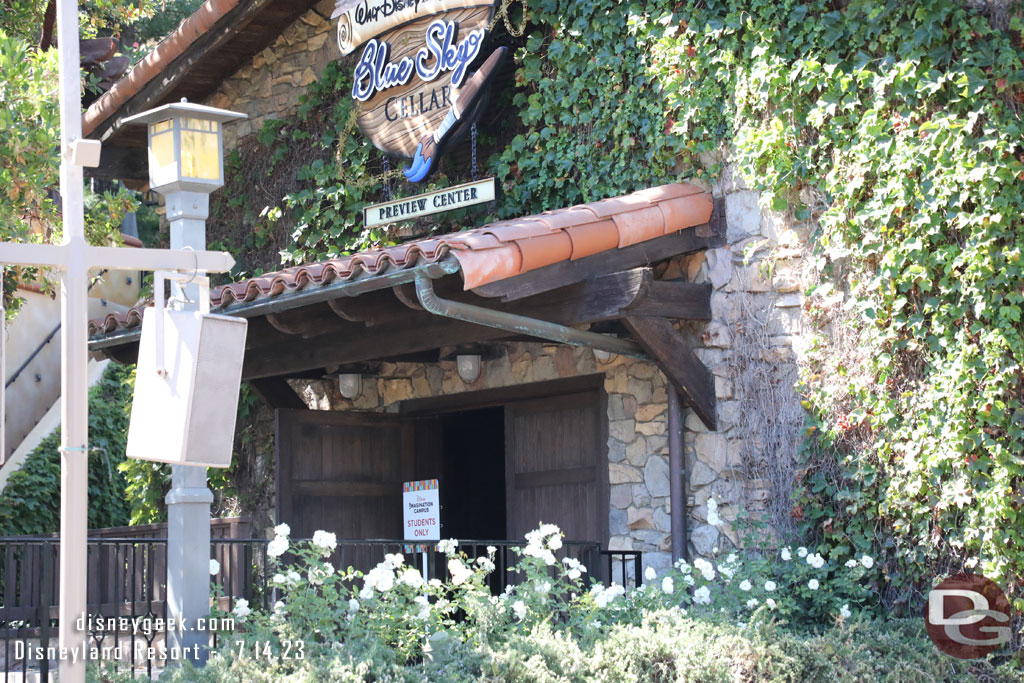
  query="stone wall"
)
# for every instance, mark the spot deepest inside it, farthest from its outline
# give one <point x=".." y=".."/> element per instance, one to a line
<point x="270" y="85"/>
<point x="752" y="347"/>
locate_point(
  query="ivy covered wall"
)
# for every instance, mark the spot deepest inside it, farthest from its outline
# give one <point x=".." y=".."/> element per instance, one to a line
<point x="888" y="130"/>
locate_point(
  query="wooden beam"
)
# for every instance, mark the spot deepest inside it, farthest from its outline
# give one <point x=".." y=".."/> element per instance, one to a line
<point x="307" y="322"/>
<point x="399" y="331"/>
<point x="417" y="333"/>
<point x="372" y="308"/>
<point x="570" y="272"/>
<point x="637" y="293"/>
<point x="679" y="363"/>
<point x="679" y="300"/>
<point x="278" y="393"/>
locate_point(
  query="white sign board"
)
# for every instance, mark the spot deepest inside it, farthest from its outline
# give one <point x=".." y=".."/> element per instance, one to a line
<point x="438" y="201"/>
<point x="421" y="503"/>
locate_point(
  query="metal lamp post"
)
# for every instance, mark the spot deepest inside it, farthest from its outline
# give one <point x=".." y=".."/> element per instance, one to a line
<point x="186" y="164"/>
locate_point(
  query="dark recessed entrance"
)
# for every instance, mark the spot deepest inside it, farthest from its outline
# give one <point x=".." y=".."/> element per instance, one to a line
<point x="473" y="472"/>
<point x="506" y="460"/>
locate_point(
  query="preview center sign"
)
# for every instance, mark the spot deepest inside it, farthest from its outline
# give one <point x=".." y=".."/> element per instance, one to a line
<point x="421" y="503"/>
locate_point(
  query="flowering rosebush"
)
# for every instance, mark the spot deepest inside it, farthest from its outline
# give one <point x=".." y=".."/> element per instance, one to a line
<point x="393" y="603"/>
<point x="709" y="620"/>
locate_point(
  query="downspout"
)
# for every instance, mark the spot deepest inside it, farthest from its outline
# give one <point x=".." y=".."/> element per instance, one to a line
<point x="677" y="476"/>
<point x="519" y="324"/>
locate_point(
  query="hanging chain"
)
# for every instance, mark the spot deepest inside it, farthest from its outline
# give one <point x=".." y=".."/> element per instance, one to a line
<point x="472" y="169"/>
<point x="502" y="13"/>
<point x="386" y="166"/>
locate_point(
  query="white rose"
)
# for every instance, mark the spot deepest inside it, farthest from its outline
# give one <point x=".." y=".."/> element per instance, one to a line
<point x="770" y="603"/>
<point x="745" y="585"/>
<point x="650" y="574"/>
<point x="844" y="612"/>
<point x="325" y="540"/>
<point x="519" y="609"/>
<point x="411" y="578"/>
<point x="282" y="530"/>
<point x="424" y="603"/>
<point x="277" y="547"/>
<point x="801" y="551"/>
<point x="459" y="572"/>
<point x="769" y="586"/>
<point x="751" y="603"/>
<point x="214" y="567"/>
<point x="702" y="596"/>
<point x="353" y="605"/>
<point x="667" y="585"/>
<point x="386" y="581"/>
<point x="813" y="584"/>
<point x="241" y="610"/>
<point x="786" y="555"/>
<point x="850" y="564"/>
<point x="867" y="561"/>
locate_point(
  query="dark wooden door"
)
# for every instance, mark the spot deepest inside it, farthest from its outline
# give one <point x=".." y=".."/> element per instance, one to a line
<point x="343" y="472"/>
<point x="555" y="466"/>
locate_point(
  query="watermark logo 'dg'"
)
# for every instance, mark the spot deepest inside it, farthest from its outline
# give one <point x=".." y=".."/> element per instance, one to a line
<point x="967" y="616"/>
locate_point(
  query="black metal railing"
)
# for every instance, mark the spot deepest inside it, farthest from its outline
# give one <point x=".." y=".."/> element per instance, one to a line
<point x="127" y="579"/>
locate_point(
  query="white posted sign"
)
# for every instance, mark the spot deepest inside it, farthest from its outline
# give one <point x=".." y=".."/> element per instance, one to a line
<point x="421" y="502"/>
<point x="438" y="201"/>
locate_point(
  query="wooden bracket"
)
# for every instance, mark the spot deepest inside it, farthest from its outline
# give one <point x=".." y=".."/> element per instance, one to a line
<point x="681" y="366"/>
<point x="278" y="393"/>
<point x="636" y="293"/>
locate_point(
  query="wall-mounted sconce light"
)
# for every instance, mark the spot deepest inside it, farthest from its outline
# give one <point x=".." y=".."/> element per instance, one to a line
<point x="468" y="366"/>
<point x="350" y="384"/>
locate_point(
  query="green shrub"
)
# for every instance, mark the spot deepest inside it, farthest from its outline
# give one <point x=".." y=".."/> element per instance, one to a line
<point x="30" y="503"/>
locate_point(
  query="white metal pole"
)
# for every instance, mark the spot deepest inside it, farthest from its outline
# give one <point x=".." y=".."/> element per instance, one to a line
<point x="189" y="500"/>
<point x="74" y="479"/>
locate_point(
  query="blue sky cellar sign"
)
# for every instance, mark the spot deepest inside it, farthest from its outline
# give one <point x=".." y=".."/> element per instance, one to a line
<point x="413" y="82"/>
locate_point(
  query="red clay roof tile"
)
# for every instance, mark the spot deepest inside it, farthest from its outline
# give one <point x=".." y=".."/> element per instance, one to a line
<point x="492" y="252"/>
<point x="592" y="238"/>
<point x="544" y="250"/>
<point x="639" y="225"/>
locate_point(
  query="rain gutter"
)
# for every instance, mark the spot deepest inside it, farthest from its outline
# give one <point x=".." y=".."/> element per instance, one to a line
<point x="519" y="324"/>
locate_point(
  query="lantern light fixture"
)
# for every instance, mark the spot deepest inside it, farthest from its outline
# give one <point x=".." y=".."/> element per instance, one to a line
<point x="350" y="384"/>
<point x="468" y="366"/>
<point x="186" y="159"/>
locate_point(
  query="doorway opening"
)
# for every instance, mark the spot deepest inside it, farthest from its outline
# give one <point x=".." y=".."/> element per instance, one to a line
<point x="473" y="474"/>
